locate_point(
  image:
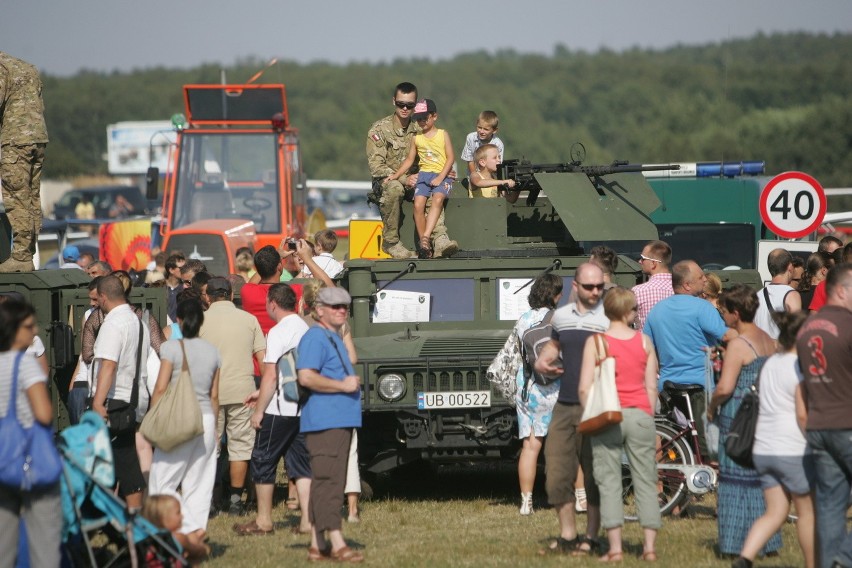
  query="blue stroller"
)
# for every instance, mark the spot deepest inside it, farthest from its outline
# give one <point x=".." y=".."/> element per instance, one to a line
<point x="90" y="507"/>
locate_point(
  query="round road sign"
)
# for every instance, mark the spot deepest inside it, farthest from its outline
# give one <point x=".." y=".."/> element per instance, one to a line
<point x="792" y="204"/>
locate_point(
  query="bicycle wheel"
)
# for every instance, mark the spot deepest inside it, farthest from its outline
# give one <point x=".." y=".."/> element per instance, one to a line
<point x="671" y="485"/>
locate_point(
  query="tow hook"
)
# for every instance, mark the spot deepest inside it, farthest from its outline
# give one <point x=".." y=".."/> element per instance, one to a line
<point x="477" y="430"/>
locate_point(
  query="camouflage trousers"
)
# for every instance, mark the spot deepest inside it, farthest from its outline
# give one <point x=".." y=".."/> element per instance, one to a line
<point x="390" y="208"/>
<point x="20" y="171"/>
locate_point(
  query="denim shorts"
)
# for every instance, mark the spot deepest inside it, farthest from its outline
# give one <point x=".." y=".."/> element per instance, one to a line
<point x="793" y="473"/>
<point x="424" y="187"/>
<point x="279" y="437"/>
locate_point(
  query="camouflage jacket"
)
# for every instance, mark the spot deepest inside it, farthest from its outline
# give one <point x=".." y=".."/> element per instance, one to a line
<point x="388" y="145"/>
<point x="21" y="106"/>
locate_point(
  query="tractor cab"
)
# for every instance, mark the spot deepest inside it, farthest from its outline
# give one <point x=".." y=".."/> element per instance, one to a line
<point x="235" y="174"/>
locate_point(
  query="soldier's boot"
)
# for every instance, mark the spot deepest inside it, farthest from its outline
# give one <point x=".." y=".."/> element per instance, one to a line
<point x="397" y="250"/>
<point x="21" y="259"/>
<point x="444" y="247"/>
<point x="15" y="265"/>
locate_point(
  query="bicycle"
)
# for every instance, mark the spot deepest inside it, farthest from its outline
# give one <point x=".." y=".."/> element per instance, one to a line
<point x="681" y="469"/>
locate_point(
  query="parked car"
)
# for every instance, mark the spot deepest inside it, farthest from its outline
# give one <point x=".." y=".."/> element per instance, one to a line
<point x="103" y="198"/>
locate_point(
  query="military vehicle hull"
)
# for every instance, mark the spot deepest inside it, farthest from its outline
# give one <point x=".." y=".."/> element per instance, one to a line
<point x="427" y="330"/>
<point x="61" y="298"/>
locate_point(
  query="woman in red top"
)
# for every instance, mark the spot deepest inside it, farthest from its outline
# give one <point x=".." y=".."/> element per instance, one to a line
<point x="636" y="382"/>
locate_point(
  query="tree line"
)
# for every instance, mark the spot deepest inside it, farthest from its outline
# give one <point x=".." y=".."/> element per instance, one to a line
<point x="782" y="98"/>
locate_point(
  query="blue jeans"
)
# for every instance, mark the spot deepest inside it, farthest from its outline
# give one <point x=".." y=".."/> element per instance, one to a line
<point x="76" y="404"/>
<point x="832" y="451"/>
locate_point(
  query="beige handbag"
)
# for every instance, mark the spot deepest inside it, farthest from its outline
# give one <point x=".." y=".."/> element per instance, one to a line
<point x="602" y="408"/>
<point x="176" y="418"/>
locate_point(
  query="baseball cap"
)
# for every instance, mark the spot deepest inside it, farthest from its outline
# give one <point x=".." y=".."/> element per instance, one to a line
<point x="333" y="296"/>
<point x="424" y="108"/>
<point x="71" y="253"/>
<point x="220" y="285"/>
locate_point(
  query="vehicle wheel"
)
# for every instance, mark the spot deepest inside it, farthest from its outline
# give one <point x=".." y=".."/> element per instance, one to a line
<point x="671" y="485"/>
<point x="367" y="482"/>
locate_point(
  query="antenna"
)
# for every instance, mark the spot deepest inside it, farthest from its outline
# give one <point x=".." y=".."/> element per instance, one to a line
<point x="257" y="75"/>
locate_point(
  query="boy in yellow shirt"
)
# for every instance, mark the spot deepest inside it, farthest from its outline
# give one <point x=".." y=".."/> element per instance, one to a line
<point x="487" y="158"/>
<point x="435" y="151"/>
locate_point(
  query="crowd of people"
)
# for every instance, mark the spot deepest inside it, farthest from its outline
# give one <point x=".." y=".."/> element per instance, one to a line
<point x="677" y="332"/>
<point x="128" y="360"/>
<point x="681" y="333"/>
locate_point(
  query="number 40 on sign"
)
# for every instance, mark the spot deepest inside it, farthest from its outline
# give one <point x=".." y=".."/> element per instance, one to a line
<point x="792" y="205"/>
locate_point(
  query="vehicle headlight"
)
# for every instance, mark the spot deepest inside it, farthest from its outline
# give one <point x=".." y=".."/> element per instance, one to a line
<point x="391" y="387"/>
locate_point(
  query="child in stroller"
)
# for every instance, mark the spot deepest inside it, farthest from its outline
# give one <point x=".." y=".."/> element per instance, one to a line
<point x="164" y="512"/>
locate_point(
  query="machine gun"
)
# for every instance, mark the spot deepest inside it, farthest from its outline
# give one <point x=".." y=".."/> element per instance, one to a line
<point x="523" y="171"/>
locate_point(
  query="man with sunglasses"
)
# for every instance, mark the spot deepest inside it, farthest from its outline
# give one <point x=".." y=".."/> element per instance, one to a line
<point x="388" y="143"/>
<point x="654" y="260"/>
<point x="565" y="449"/>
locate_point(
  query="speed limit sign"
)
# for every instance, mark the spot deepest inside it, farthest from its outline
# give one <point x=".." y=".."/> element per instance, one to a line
<point x="792" y="204"/>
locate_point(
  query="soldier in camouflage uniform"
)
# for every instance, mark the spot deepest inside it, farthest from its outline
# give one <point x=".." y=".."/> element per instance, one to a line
<point x="388" y="142"/>
<point x="23" y="137"/>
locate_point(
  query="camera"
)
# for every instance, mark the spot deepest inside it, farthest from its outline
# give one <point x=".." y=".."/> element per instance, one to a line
<point x="291" y="244"/>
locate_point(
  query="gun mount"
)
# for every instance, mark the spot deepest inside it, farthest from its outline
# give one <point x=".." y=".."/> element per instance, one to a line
<point x="524" y="172"/>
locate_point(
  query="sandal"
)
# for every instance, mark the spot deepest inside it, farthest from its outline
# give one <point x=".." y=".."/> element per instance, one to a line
<point x="425" y="248"/>
<point x="649" y="556"/>
<point x="561" y="546"/>
<point x="346" y="554"/>
<point x="612" y="557"/>
<point x="315" y="554"/>
<point x="251" y="529"/>
<point x="591" y="546"/>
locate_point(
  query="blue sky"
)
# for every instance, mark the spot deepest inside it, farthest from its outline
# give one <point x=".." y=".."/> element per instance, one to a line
<point x="62" y="37"/>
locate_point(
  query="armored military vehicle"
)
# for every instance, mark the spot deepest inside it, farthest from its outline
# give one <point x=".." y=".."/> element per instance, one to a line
<point x="427" y="330"/>
<point x="60" y="298"/>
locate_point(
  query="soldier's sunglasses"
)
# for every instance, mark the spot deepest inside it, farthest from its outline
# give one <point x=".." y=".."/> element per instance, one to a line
<point x="407" y="106"/>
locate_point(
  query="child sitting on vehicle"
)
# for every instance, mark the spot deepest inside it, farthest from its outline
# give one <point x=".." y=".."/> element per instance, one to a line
<point x="164" y="512"/>
<point x="485" y="133"/>
<point x="325" y="242"/>
<point x="435" y="150"/>
<point x="487" y="159"/>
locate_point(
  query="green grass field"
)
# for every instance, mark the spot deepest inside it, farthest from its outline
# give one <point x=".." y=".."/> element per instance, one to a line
<point x="461" y="516"/>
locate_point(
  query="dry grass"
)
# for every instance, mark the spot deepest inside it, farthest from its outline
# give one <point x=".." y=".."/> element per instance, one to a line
<point x="468" y="517"/>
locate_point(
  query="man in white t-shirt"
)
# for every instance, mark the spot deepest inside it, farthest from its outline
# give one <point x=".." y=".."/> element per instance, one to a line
<point x="276" y="419"/>
<point x="777" y="295"/>
<point x="116" y="361"/>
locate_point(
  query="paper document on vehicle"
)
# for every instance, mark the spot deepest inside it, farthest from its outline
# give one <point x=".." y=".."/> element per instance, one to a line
<point x="512" y="304"/>
<point x="401" y="306"/>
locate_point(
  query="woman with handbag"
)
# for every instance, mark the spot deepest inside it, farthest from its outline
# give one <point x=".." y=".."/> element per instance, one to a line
<point x="740" y="500"/>
<point x="534" y="402"/>
<point x="38" y="507"/>
<point x="190" y="465"/>
<point x="636" y="383"/>
<point x="779" y="453"/>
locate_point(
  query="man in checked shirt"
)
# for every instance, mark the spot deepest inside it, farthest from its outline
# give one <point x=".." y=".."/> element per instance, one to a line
<point x="654" y="260"/>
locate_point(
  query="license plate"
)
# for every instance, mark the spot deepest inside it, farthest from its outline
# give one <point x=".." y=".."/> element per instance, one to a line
<point x="460" y="399"/>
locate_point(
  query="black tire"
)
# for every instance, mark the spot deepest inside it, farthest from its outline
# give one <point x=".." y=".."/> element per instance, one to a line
<point x="671" y="485"/>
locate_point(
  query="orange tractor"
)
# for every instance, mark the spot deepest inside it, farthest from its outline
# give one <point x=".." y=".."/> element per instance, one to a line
<point x="235" y="174"/>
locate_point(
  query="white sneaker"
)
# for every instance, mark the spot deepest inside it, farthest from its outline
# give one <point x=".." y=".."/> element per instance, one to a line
<point x="526" y="504"/>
